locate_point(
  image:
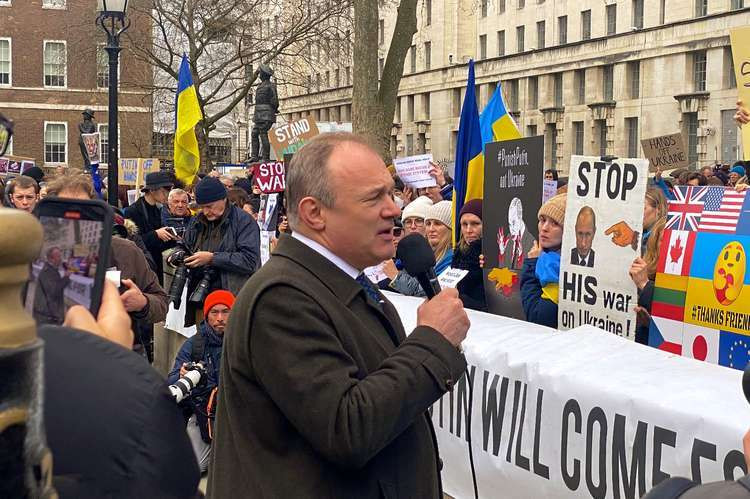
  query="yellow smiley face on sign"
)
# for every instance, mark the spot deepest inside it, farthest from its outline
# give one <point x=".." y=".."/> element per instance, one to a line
<point x="729" y="273"/>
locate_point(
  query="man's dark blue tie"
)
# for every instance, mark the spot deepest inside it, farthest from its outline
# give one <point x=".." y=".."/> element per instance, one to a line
<point x="370" y="289"/>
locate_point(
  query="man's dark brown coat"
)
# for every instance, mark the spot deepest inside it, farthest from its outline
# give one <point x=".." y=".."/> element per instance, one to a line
<point x="321" y="394"/>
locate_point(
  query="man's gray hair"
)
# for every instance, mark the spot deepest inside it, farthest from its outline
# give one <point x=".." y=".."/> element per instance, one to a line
<point x="227" y="177"/>
<point x="307" y="174"/>
<point x="176" y="192"/>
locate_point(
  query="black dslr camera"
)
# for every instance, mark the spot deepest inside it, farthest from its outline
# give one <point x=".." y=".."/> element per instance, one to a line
<point x="181" y="276"/>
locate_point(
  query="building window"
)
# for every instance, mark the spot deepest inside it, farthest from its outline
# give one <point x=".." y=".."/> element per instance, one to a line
<point x="662" y="11"/>
<point x="337" y="77"/>
<point x="410" y="108"/>
<point x="513" y="95"/>
<point x="699" y="71"/>
<point x="521" y="4"/>
<point x="381" y="31"/>
<point x="348" y="74"/>
<point x="5" y="61"/>
<point x="533" y="90"/>
<point x="102" y="67"/>
<point x="691" y="129"/>
<point x="413" y="59"/>
<point x="426" y="106"/>
<point x="738" y="4"/>
<point x="397" y="118"/>
<point x="580" y="84"/>
<point x="601" y="126"/>
<point x="53" y="4"/>
<point x="428" y="12"/>
<point x="562" y="30"/>
<point x="730" y="79"/>
<point x="578" y="138"/>
<point x="540" y="35"/>
<point x="530" y="130"/>
<point x="701" y="8"/>
<point x="484" y="7"/>
<point x="55" y="142"/>
<point x="608" y="82"/>
<point x="558" y="89"/>
<point x="381" y="62"/>
<point x="500" y="6"/>
<point x="611" y="19"/>
<point x="456" y="102"/>
<point x="519" y="38"/>
<point x="638" y="14"/>
<point x="634" y="80"/>
<point x="551" y="140"/>
<point x="54" y="64"/>
<point x="427" y="55"/>
<point x="410" y="145"/>
<point x="5" y="3"/>
<point x="631" y="125"/>
<point x="482" y="47"/>
<point x="501" y="43"/>
<point x="585" y="25"/>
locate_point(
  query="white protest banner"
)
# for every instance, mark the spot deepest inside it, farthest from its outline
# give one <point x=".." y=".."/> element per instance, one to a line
<point x="581" y="414"/>
<point x="175" y="320"/>
<point x="375" y="273"/>
<point x="549" y="190"/>
<point x="414" y="171"/>
<point x="132" y="196"/>
<point x="265" y="245"/>
<point x="603" y="227"/>
<point x="666" y="152"/>
<point x="450" y="277"/>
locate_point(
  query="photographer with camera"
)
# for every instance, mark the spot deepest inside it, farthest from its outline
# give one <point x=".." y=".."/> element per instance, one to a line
<point x="220" y="249"/>
<point x="202" y="353"/>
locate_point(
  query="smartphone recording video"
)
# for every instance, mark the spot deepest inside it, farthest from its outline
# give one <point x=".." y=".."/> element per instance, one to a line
<point x="72" y="264"/>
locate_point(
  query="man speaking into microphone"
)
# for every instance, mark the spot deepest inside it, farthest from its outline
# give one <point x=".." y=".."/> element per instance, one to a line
<point x="322" y="394"/>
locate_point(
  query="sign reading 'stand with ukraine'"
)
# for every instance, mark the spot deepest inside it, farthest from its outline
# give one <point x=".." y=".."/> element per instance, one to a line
<point x="701" y="306"/>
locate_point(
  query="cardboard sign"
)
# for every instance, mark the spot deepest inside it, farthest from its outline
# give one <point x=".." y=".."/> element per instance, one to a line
<point x="450" y="277"/>
<point x="549" y="190"/>
<point x="414" y="171"/>
<point x="666" y="152"/>
<point x="701" y="306"/>
<point x="92" y="143"/>
<point x="132" y="171"/>
<point x="270" y="177"/>
<point x="289" y="137"/>
<point x="146" y="166"/>
<point x="740" y="39"/>
<point x="512" y="197"/>
<point x="603" y="228"/>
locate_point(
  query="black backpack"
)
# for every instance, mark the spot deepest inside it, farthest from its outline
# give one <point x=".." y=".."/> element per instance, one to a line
<point x="678" y="487"/>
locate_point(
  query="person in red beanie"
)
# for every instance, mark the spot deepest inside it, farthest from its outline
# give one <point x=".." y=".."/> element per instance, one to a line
<point x="204" y="347"/>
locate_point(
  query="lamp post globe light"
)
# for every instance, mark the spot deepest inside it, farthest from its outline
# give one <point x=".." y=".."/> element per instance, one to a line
<point x="112" y="20"/>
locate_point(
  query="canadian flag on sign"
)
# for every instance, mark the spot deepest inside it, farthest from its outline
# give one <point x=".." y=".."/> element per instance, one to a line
<point x="676" y="252"/>
<point x="700" y="343"/>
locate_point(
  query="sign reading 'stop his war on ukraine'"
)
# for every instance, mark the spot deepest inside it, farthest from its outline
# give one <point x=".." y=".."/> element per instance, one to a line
<point x="701" y="306"/>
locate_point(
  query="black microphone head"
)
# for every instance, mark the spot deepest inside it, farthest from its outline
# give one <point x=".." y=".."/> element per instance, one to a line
<point x="415" y="254"/>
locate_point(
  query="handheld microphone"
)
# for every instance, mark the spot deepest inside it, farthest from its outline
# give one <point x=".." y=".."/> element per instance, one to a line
<point x="418" y="259"/>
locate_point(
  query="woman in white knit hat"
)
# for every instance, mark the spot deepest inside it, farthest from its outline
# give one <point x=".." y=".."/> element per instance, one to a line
<point x="438" y="232"/>
<point x="413" y="215"/>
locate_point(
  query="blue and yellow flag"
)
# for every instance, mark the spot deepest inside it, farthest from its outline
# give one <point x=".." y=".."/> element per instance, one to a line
<point x="495" y="122"/>
<point x="187" y="157"/>
<point x="469" y="179"/>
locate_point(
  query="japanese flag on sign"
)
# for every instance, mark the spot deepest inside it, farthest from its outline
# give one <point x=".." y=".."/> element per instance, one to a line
<point x="700" y="343"/>
<point x="676" y="252"/>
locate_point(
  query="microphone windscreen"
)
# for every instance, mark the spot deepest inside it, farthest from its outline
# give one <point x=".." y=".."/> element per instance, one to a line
<point x="415" y="254"/>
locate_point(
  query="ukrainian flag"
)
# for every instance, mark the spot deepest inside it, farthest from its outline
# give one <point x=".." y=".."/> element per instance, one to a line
<point x="187" y="157"/>
<point x="469" y="176"/>
<point x="495" y="122"/>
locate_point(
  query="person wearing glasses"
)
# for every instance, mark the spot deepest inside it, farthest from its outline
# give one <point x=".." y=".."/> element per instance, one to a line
<point x="414" y="214"/>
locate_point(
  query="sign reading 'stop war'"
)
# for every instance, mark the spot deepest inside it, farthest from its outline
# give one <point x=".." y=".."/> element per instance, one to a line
<point x="512" y="197"/>
<point x="603" y="228"/>
<point x="288" y="138"/>
<point x="269" y="177"/>
<point x="701" y="305"/>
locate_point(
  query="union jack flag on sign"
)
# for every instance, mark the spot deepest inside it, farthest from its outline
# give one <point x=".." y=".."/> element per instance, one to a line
<point x="685" y="211"/>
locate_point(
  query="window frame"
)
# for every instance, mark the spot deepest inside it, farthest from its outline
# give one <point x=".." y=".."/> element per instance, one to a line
<point x="5" y="3"/>
<point x="64" y="6"/>
<point x="10" y="62"/>
<point x="611" y="18"/>
<point x="44" y="141"/>
<point x="586" y="26"/>
<point x="541" y="34"/>
<point x="562" y="34"/>
<point x="65" y="65"/>
<point x="520" y="40"/>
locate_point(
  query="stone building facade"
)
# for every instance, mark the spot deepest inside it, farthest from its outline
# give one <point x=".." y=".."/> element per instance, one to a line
<point x="53" y="66"/>
<point x="594" y="77"/>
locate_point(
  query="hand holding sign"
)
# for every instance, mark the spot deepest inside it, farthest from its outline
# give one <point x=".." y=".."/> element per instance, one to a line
<point x="623" y="235"/>
<point x="742" y="116"/>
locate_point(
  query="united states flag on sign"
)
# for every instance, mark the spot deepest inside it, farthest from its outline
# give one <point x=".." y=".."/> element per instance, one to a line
<point x="721" y="210"/>
<point x="685" y="211"/>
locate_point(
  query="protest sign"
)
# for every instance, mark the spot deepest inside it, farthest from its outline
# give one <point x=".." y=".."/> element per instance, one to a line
<point x="450" y="277"/>
<point x="666" y="152"/>
<point x="270" y="177"/>
<point x="287" y="138"/>
<point x="265" y="245"/>
<point x="92" y="143"/>
<point x="549" y="190"/>
<point x="4" y="165"/>
<point x="146" y="166"/>
<point x="14" y="166"/>
<point x="414" y="171"/>
<point x="701" y="304"/>
<point x="512" y="197"/>
<point x="740" y="40"/>
<point x="603" y="228"/>
<point x="127" y="174"/>
<point x="375" y="273"/>
<point x="581" y="414"/>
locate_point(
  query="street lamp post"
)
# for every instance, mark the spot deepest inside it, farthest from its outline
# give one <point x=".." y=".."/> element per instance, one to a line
<point x="112" y="20"/>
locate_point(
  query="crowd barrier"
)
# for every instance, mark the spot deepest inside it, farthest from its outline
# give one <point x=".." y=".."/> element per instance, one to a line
<point x="582" y="413"/>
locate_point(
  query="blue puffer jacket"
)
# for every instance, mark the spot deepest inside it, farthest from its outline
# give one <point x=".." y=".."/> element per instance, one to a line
<point x="537" y="309"/>
<point x="211" y="356"/>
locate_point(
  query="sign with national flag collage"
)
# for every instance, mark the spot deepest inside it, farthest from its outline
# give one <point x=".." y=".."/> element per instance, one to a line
<point x="701" y="301"/>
